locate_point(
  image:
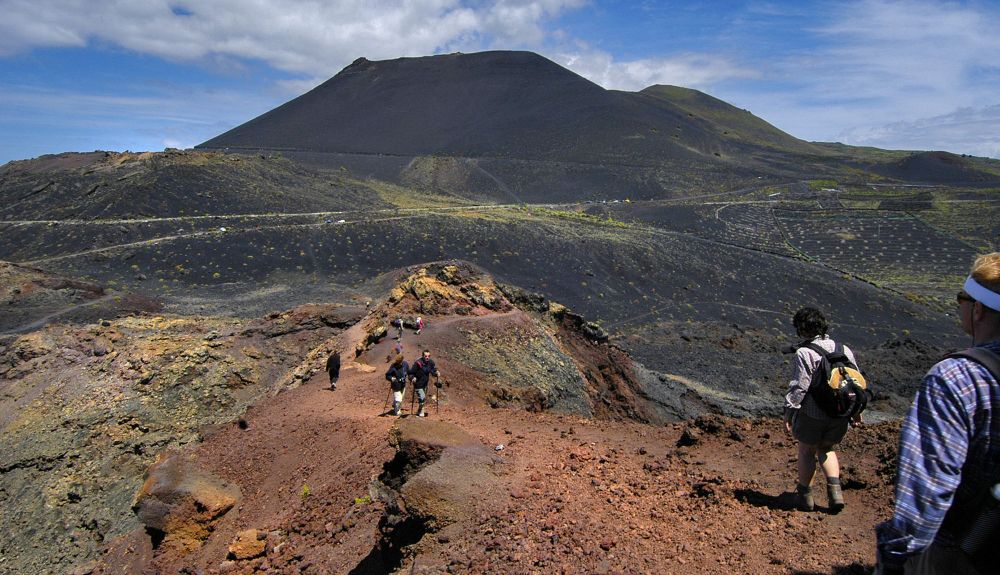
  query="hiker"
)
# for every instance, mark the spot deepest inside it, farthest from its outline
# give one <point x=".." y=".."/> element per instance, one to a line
<point x="420" y="324"/>
<point x="399" y="328"/>
<point x="397" y="349"/>
<point x="420" y="373"/>
<point x="333" y="368"/>
<point x="396" y="376"/>
<point x="949" y="451"/>
<point x="816" y="431"/>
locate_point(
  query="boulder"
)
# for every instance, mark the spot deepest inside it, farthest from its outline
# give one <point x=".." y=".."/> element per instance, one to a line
<point x="453" y="489"/>
<point x="413" y="435"/>
<point x="446" y="474"/>
<point x="248" y="544"/>
<point x="181" y="503"/>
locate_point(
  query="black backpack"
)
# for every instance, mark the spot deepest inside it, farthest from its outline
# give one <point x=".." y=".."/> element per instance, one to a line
<point x="837" y="385"/>
<point x="983" y="357"/>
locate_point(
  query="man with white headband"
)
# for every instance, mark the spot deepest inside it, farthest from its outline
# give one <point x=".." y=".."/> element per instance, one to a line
<point x="949" y="451"/>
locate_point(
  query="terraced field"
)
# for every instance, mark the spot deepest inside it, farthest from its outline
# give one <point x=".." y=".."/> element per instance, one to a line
<point x="890" y="248"/>
<point x="753" y="225"/>
<point x="973" y="220"/>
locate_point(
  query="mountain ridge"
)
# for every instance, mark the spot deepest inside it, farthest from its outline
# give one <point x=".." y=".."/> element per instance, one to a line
<point x="487" y="104"/>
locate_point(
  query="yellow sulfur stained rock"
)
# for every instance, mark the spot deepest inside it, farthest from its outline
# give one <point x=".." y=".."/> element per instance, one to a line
<point x="247" y="545"/>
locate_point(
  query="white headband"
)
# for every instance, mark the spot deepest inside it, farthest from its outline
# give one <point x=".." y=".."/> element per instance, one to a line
<point x="988" y="298"/>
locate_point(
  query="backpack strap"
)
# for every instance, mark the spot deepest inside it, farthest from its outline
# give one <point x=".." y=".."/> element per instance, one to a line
<point x="983" y="357"/>
<point x="822" y="352"/>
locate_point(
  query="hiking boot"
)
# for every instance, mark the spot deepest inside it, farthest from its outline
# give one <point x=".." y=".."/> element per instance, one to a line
<point x="834" y="498"/>
<point x="804" y="498"/>
<point x="421" y="414"/>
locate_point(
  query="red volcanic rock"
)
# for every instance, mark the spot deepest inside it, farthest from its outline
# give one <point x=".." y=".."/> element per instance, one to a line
<point x="182" y="502"/>
<point x="248" y="544"/>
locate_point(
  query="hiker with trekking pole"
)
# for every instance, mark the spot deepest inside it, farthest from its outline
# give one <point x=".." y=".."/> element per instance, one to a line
<point x="437" y="394"/>
<point x="420" y="373"/>
<point x="396" y="376"/>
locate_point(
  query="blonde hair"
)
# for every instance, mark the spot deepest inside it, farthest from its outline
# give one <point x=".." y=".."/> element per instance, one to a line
<point x="986" y="271"/>
<point x="398" y="360"/>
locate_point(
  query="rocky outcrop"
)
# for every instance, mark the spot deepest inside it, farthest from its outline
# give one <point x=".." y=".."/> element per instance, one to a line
<point x="440" y="476"/>
<point x="87" y="409"/>
<point x="446" y="288"/>
<point x="248" y="544"/>
<point x="180" y="504"/>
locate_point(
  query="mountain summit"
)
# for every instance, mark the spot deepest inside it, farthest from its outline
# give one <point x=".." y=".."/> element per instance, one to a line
<point x="514" y="105"/>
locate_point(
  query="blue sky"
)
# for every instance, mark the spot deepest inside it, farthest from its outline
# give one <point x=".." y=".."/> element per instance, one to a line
<point x="78" y="75"/>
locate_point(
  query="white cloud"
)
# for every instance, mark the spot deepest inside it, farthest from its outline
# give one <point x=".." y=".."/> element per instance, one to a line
<point x="886" y="73"/>
<point x="973" y="131"/>
<point x="880" y="72"/>
<point x="689" y="70"/>
<point x="310" y="37"/>
<point x="923" y="57"/>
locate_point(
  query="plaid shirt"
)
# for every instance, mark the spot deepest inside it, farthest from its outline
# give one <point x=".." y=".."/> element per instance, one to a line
<point x="949" y="457"/>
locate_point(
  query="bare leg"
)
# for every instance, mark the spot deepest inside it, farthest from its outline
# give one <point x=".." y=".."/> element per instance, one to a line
<point x="829" y="462"/>
<point x="807" y="463"/>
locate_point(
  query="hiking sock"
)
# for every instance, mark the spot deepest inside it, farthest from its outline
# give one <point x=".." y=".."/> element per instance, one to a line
<point x="834" y="496"/>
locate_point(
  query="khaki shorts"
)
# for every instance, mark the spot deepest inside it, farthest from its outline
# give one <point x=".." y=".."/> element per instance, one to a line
<point x="824" y="432"/>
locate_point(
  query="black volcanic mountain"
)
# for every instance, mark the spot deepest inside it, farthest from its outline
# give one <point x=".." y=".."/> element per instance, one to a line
<point x="514" y="105"/>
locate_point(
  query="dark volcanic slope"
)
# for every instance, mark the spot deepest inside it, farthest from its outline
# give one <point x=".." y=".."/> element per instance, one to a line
<point x="938" y="167"/>
<point x="110" y="185"/>
<point x="494" y="104"/>
<point x="727" y="122"/>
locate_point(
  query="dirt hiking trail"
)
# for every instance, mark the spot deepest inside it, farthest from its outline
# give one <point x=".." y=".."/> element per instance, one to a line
<point x="550" y="493"/>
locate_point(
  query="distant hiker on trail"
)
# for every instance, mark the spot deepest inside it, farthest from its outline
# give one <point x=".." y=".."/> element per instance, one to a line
<point x="420" y="372"/>
<point x="396" y="376"/>
<point x="397" y="349"/>
<point x="815" y="429"/>
<point x="399" y="327"/>
<point x="948" y="480"/>
<point x="333" y="368"/>
<point x="420" y="324"/>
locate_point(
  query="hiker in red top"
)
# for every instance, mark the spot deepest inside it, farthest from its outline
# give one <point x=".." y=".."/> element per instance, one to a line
<point x="420" y="373"/>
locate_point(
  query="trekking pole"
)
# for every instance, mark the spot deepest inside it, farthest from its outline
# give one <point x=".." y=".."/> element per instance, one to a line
<point x="385" y="404"/>
<point x="437" y="396"/>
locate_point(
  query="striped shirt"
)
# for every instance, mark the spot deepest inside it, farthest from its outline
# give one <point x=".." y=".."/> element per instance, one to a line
<point x="949" y="457"/>
<point x="806" y="362"/>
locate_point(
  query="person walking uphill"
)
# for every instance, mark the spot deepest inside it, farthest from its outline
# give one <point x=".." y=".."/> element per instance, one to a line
<point x="816" y="430"/>
<point x="333" y="368"/>
<point x="396" y="376"/>
<point x="949" y="451"/>
<point x="421" y="371"/>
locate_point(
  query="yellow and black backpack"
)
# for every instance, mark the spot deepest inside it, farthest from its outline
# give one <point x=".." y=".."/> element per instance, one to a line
<point x="837" y="385"/>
